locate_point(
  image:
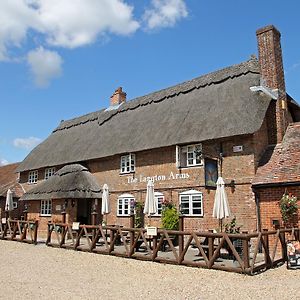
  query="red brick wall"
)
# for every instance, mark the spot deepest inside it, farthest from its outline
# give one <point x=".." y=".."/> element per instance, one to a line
<point x="34" y="209"/>
<point x="269" y="205"/>
<point x="16" y="213"/>
<point x="238" y="167"/>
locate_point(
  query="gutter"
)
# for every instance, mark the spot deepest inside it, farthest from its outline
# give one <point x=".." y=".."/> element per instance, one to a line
<point x="275" y="184"/>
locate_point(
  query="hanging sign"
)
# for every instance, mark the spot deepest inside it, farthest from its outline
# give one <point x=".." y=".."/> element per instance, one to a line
<point x="211" y="173"/>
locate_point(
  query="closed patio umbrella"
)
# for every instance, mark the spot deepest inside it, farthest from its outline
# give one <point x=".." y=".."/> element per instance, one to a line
<point x="105" y="208"/>
<point x="9" y="201"/>
<point x="105" y="205"/>
<point x="150" y="203"/>
<point x="221" y="208"/>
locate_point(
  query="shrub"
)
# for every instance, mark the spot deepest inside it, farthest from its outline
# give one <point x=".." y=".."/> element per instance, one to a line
<point x="138" y="220"/>
<point x="170" y="217"/>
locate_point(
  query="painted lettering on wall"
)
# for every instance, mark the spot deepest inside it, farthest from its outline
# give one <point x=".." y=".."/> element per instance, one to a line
<point x="171" y="176"/>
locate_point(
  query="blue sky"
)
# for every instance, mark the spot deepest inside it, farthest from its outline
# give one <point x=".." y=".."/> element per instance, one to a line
<point x="64" y="58"/>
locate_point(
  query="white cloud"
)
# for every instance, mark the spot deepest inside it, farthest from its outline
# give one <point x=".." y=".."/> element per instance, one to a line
<point x="26" y="143"/>
<point x="3" y="162"/>
<point x="74" y="23"/>
<point x="65" y="23"/>
<point x="16" y="17"/>
<point x="165" y="13"/>
<point x="45" y="65"/>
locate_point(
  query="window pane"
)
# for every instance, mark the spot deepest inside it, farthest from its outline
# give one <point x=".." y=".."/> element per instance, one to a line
<point x="159" y="200"/>
<point x="197" y="211"/>
<point x="185" y="205"/>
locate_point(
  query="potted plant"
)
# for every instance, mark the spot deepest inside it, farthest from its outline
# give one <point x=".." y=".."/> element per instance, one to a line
<point x="288" y="207"/>
<point x="233" y="228"/>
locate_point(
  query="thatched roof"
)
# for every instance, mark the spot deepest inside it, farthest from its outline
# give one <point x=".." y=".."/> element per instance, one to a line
<point x="9" y="180"/>
<point x="212" y="106"/>
<point x="280" y="164"/>
<point x="70" y="182"/>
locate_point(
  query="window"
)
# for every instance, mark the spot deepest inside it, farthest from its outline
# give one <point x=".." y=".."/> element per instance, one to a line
<point x="159" y="198"/>
<point x="128" y="163"/>
<point x="49" y="172"/>
<point x="191" y="203"/>
<point x="124" y="202"/>
<point x="15" y="204"/>
<point x="188" y="156"/>
<point x="46" y="207"/>
<point x="33" y="176"/>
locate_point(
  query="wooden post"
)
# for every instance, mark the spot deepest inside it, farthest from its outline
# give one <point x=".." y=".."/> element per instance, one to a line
<point x="63" y="213"/>
<point x="94" y="217"/>
<point x="25" y="212"/>
<point x="131" y="233"/>
<point x="111" y="238"/>
<point x="245" y="245"/>
<point x="246" y="257"/>
<point x="267" y="248"/>
<point x="210" y="243"/>
<point x="36" y="224"/>
<point x="181" y="237"/>
<point x="283" y="245"/>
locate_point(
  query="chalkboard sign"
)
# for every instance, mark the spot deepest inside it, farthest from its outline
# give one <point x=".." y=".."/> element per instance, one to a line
<point x="293" y="254"/>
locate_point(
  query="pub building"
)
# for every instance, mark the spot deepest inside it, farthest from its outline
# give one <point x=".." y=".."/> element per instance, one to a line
<point x="182" y="138"/>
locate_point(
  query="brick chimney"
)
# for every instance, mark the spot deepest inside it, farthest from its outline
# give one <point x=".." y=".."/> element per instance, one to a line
<point x="117" y="97"/>
<point x="272" y="73"/>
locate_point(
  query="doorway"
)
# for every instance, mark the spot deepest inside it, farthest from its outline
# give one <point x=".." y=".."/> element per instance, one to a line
<point x="84" y="209"/>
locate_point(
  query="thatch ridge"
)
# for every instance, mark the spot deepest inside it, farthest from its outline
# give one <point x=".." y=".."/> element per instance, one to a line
<point x="216" y="105"/>
<point x="71" y="181"/>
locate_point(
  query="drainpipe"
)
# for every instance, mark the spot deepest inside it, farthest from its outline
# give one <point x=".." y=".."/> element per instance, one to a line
<point x="257" y="209"/>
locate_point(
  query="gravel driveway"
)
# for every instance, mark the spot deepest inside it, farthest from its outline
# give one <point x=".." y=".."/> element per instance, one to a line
<point x="32" y="272"/>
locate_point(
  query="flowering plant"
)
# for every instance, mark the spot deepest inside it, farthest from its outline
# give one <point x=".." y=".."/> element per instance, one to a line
<point x="232" y="227"/>
<point x="167" y="203"/>
<point x="288" y="206"/>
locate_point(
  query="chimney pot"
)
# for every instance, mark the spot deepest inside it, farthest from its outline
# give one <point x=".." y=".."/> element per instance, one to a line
<point x="118" y="97"/>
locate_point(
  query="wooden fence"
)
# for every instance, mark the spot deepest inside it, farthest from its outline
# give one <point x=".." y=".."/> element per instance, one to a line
<point x="21" y="231"/>
<point x="242" y="253"/>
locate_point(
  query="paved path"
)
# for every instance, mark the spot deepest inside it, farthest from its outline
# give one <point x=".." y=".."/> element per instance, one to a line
<point x="40" y="272"/>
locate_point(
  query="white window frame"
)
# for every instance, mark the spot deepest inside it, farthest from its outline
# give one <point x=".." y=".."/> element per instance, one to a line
<point x="49" y="172"/>
<point x="127" y="163"/>
<point x="191" y="159"/>
<point x="123" y="205"/>
<point x="46" y="208"/>
<point x="191" y="197"/>
<point x="33" y="176"/>
<point x="159" y="198"/>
